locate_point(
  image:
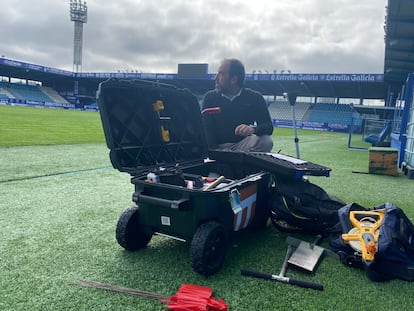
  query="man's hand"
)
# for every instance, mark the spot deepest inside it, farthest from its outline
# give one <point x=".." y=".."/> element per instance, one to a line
<point x="244" y="130"/>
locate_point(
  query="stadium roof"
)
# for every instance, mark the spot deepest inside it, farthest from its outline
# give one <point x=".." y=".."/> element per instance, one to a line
<point x="399" y="41"/>
<point x="369" y="86"/>
<point x="28" y="71"/>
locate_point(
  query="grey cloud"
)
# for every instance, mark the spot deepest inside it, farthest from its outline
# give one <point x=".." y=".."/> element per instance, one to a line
<point x="154" y="36"/>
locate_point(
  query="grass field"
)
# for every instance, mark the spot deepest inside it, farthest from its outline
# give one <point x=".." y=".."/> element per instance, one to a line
<point x="48" y="127"/>
<point x="61" y="199"/>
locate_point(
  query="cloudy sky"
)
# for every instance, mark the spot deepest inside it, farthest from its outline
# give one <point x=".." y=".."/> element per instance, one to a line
<point x="303" y="36"/>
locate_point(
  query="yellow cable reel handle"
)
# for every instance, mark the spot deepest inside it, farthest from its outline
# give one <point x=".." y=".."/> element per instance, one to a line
<point x="365" y="231"/>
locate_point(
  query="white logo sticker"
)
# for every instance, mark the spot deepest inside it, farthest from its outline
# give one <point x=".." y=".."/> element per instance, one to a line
<point x="165" y="221"/>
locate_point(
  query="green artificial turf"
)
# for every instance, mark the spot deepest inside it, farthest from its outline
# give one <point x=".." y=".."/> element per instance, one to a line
<point x="48" y="126"/>
<point x="61" y="199"/>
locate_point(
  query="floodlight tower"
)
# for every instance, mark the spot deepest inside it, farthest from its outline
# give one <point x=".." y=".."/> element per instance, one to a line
<point x="78" y="14"/>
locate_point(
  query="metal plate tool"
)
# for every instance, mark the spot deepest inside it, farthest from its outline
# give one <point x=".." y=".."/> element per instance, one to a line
<point x="307" y="255"/>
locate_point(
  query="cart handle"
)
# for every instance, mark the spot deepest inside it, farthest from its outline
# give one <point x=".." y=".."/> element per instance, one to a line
<point x="174" y="204"/>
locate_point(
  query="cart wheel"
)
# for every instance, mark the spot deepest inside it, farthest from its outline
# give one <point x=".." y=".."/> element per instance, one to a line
<point x="129" y="233"/>
<point x="208" y="248"/>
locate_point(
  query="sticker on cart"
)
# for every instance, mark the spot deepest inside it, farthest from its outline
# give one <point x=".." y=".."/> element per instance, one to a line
<point x="165" y="221"/>
<point x="243" y="206"/>
<point x="235" y="201"/>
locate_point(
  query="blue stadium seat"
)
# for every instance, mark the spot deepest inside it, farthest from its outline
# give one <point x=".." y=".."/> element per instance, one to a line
<point x="28" y="92"/>
<point x="331" y="113"/>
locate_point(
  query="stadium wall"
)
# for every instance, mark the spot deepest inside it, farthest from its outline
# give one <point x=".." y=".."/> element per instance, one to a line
<point x="316" y="126"/>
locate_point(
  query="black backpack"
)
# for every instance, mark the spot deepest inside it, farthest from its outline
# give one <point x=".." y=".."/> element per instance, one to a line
<point x="394" y="257"/>
<point x="300" y="206"/>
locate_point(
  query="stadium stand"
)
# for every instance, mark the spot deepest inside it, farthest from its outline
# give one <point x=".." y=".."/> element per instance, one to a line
<point x="55" y="96"/>
<point x="281" y="110"/>
<point x="331" y="113"/>
<point x="27" y="92"/>
<point x="4" y="93"/>
<point x="321" y="112"/>
<point x="31" y="93"/>
<point x="54" y="88"/>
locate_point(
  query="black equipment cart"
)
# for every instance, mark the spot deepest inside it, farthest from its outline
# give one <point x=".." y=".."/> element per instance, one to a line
<point x="184" y="190"/>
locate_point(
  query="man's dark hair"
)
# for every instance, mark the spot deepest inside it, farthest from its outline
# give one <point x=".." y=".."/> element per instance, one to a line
<point x="236" y="69"/>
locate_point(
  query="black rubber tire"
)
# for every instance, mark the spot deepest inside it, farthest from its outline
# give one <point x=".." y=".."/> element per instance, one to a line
<point x="129" y="233"/>
<point x="208" y="248"/>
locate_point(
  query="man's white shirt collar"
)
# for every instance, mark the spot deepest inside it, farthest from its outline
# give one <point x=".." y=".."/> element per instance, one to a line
<point x="231" y="98"/>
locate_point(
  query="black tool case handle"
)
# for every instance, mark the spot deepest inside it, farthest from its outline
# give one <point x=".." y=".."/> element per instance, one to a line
<point x="180" y="204"/>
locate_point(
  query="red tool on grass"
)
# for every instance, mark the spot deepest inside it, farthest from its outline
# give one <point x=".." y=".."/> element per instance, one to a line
<point x="189" y="297"/>
<point x="194" y="297"/>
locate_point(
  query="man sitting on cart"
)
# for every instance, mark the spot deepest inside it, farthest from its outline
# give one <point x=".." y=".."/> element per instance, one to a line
<point x="236" y="118"/>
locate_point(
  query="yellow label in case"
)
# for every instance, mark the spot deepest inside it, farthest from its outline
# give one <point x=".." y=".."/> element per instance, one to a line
<point x="165" y="134"/>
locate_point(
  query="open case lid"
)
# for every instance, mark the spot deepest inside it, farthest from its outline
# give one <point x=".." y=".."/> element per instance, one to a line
<point x="150" y="125"/>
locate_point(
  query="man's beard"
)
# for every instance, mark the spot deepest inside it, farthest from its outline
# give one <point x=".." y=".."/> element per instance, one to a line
<point x="221" y="89"/>
<point x="218" y="89"/>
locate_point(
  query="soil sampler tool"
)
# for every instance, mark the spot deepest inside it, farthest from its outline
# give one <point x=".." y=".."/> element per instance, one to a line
<point x="281" y="276"/>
